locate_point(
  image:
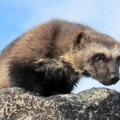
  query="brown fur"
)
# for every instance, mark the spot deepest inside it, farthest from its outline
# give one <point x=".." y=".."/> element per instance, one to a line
<point x="57" y="53"/>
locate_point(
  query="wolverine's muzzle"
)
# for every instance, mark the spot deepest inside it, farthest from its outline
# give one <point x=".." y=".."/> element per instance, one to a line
<point x="113" y="71"/>
<point x="114" y="78"/>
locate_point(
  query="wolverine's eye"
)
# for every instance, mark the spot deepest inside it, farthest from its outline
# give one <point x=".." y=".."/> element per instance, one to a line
<point x="99" y="57"/>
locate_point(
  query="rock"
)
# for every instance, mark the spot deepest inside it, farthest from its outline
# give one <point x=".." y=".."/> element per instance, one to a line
<point x="92" y="104"/>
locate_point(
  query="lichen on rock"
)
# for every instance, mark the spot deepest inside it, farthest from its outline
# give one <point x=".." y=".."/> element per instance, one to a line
<point x="92" y="104"/>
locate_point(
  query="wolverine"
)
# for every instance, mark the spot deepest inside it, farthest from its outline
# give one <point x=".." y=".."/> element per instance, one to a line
<point x="50" y="58"/>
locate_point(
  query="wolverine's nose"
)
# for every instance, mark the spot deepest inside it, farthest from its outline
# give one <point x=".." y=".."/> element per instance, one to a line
<point x="114" y="78"/>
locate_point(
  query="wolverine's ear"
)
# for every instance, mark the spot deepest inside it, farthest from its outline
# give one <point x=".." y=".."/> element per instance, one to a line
<point x="82" y="39"/>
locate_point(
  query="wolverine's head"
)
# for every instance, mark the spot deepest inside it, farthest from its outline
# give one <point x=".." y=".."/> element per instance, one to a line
<point x="98" y="56"/>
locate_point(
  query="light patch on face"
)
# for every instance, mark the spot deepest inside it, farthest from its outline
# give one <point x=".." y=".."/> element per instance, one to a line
<point x="115" y="51"/>
<point x="101" y="49"/>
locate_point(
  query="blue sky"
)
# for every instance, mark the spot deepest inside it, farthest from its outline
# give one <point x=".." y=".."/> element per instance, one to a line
<point x="17" y="16"/>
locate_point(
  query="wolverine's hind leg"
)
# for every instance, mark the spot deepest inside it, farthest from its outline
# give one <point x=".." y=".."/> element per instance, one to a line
<point x="4" y="75"/>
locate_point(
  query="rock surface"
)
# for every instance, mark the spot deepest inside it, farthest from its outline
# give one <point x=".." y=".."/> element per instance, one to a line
<point x="92" y="104"/>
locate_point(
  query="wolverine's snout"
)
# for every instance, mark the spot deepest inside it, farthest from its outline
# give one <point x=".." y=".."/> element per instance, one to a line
<point x="114" y="78"/>
<point x="114" y="71"/>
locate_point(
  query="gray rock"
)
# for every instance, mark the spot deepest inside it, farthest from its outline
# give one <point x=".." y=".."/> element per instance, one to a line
<point x="92" y="104"/>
